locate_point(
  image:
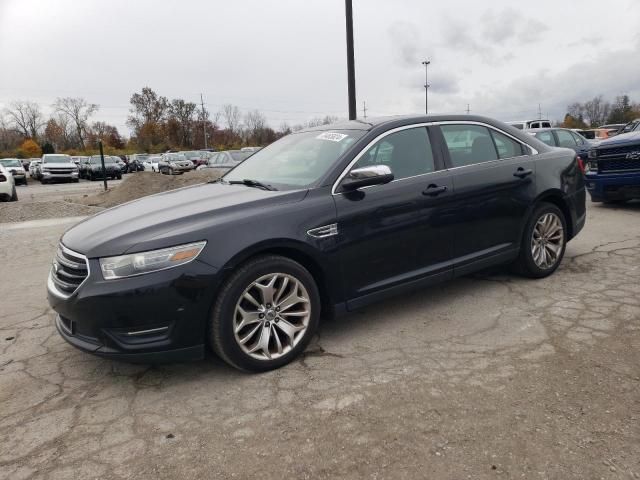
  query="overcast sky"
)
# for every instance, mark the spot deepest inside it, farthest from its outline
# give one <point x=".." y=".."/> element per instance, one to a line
<point x="287" y="58"/>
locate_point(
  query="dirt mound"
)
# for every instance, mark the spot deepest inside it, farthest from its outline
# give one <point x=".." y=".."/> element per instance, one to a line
<point x="141" y="184"/>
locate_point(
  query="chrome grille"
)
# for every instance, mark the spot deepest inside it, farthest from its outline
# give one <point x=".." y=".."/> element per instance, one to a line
<point x="69" y="270"/>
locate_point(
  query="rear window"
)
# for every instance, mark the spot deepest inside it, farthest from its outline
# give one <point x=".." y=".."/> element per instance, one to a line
<point x="240" y="156"/>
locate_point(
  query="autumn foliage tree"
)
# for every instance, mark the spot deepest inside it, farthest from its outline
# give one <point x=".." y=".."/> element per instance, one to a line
<point x="29" y="149"/>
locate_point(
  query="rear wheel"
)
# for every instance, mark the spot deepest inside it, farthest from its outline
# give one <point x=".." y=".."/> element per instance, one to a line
<point x="265" y="314"/>
<point x="543" y="243"/>
<point x="14" y="195"/>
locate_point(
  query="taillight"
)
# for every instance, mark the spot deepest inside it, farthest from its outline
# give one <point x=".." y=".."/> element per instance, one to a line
<point x="580" y="163"/>
<point x="3" y="178"/>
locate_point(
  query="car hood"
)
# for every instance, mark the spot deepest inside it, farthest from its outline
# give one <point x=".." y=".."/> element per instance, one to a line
<point x="620" y="139"/>
<point x="171" y="218"/>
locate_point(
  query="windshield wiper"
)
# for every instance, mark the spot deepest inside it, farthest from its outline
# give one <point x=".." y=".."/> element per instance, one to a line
<point x="252" y="183"/>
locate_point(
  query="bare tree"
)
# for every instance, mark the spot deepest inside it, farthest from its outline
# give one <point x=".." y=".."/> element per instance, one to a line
<point x="26" y="117"/>
<point x="78" y="111"/>
<point x="183" y="113"/>
<point x="597" y="111"/>
<point x="255" y="121"/>
<point x="231" y="115"/>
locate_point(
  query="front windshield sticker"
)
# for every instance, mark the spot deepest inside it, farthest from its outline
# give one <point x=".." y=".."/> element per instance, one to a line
<point x="332" y="136"/>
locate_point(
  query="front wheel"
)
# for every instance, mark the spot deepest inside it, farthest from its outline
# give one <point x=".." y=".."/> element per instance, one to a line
<point x="543" y="243"/>
<point x="265" y="314"/>
<point x="14" y="195"/>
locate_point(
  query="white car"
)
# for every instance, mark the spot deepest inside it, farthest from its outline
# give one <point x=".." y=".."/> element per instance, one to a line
<point x="7" y="186"/>
<point x="527" y="124"/>
<point x="16" y="169"/>
<point x="151" y="163"/>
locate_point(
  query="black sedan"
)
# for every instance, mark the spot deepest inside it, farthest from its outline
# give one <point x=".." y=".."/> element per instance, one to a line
<point x="321" y="222"/>
<point x="563" y="137"/>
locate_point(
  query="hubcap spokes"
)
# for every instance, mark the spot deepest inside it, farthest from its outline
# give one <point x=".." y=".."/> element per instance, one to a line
<point x="547" y="240"/>
<point x="271" y="316"/>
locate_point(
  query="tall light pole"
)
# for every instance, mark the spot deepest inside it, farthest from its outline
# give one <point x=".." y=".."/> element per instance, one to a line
<point x="351" y="75"/>
<point x="426" y="86"/>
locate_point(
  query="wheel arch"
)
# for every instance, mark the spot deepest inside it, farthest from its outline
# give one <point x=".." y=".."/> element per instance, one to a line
<point x="298" y="251"/>
<point x="556" y="198"/>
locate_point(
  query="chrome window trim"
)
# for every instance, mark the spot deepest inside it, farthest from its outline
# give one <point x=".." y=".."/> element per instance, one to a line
<point x="429" y="124"/>
<point x="366" y="149"/>
<point x="51" y="286"/>
<point x="471" y="122"/>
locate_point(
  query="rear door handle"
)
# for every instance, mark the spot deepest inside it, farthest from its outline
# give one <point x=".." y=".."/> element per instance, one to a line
<point x="522" y="173"/>
<point x="433" y="190"/>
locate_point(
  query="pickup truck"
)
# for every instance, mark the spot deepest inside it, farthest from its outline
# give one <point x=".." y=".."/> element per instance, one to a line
<point x="612" y="172"/>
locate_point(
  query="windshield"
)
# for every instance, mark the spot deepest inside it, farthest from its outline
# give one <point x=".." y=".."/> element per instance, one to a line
<point x="106" y="160"/>
<point x="297" y="160"/>
<point x="11" y="162"/>
<point x="174" y="157"/>
<point x="57" y="159"/>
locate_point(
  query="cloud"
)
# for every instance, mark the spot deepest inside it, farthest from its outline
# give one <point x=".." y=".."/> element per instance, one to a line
<point x="405" y="39"/>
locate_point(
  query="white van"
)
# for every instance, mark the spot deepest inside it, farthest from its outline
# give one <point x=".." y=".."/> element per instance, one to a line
<point x="527" y="124"/>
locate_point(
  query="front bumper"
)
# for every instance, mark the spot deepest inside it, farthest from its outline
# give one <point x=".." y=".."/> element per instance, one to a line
<point x="156" y="317"/>
<point x="614" y="186"/>
<point x="59" y="176"/>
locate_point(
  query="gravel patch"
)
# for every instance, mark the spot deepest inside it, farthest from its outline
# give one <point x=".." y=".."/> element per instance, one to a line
<point x="21" y="212"/>
<point x="148" y="183"/>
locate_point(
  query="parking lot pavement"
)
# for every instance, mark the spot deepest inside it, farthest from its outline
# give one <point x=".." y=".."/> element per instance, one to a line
<point x="483" y="376"/>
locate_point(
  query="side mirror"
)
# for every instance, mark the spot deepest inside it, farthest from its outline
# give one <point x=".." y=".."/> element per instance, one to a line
<point x="367" y="176"/>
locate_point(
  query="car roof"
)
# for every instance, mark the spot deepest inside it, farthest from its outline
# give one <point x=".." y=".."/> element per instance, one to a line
<point x="372" y="122"/>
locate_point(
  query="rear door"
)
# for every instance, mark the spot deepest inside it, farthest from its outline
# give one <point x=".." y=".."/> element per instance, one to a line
<point x="494" y="185"/>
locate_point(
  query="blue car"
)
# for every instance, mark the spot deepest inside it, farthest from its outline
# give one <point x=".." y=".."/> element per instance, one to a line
<point x="612" y="172"/>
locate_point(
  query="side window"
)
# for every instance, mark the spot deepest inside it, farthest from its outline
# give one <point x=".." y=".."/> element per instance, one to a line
<point x="578" y="138"/>
<point x="546" y="137"/>
<point x="407" y="153"/>
<point x="565" y="139"/>
<point x="468" y="144"/>
<point x="506" y="146"/>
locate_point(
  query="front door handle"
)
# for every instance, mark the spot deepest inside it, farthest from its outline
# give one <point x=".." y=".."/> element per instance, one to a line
<point x="433" y="190"/>
<point x="522" y="173"/>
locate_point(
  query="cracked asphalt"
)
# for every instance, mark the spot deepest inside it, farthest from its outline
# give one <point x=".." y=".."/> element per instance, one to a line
<point x="487" y="376"/>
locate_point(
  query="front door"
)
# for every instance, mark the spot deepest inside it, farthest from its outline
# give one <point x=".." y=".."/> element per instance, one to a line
<point x="393" y="234"/>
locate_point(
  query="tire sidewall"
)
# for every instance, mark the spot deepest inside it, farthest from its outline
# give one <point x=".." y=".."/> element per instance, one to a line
<point x="224" y="310"/>
<point x="527" y="256"/>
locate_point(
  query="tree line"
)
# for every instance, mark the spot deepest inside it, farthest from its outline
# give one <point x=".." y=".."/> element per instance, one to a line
<point x="598" y="111"/>
<point x="157" y="124"/>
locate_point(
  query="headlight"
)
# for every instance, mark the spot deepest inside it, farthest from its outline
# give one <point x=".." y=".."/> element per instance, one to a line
<point x="147" y="262"/>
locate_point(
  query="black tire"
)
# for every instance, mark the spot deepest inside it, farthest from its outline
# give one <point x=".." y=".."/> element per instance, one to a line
<point x="76" y="180"/>
<point x="220" y="329"/>
<point x="91" y="177"/>
<point x="170" y="171"/>
<point x="14" y="195"/>
<point x="119" y="176"/>
<point x="525" y="264"/>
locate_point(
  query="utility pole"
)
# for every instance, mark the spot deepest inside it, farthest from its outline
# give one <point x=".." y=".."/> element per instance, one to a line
<point x="426" y="86"/>
<point x="364" y="109"/>
<point x="204" y="122"/>
<point x="468" y="109"/>
<point x="351" y="74"/>
<point x="539" y="112"/>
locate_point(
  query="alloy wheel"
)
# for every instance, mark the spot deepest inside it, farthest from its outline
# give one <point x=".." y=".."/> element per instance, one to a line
<point x="547" y="240"/>
<point x="271" y="316"/>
